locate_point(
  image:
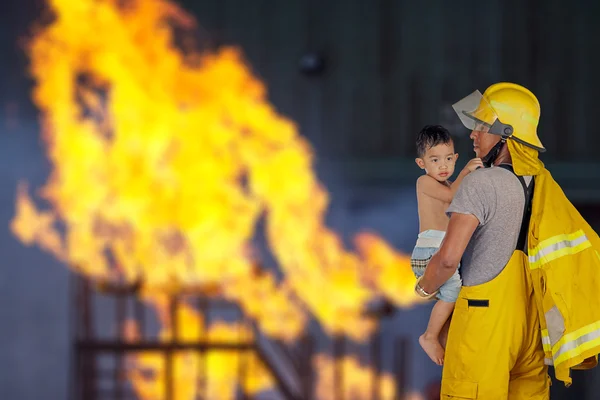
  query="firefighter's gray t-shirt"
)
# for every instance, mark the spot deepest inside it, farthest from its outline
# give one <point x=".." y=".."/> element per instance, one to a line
<point x="496" y="197"/>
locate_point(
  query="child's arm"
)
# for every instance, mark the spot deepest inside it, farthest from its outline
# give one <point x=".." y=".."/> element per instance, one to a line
<point x="454" y="185"/>
<point x="432" y="188"/>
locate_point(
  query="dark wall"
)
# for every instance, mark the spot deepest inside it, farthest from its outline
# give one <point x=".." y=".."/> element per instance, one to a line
<point x="393" y="66"/>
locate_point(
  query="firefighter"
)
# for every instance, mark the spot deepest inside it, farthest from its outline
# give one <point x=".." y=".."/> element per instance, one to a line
<point x="530" y="295"/>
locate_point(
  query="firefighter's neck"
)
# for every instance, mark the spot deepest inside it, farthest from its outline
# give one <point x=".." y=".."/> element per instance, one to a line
<point x="504" y="156"/>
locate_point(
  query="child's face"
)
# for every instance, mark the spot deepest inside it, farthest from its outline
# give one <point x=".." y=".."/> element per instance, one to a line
<point x="439" y="161"/>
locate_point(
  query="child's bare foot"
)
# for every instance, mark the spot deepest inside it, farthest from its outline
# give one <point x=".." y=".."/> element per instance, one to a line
<point x="432" y="347"/>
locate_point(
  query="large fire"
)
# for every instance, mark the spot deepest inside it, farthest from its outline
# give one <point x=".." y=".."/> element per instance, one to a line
<point x="147" y="371"/>
<point x="164" y="161"/>
<point x="359" y="383"/>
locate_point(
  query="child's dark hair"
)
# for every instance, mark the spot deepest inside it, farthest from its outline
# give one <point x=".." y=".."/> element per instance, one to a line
<point x="430" y="136"/>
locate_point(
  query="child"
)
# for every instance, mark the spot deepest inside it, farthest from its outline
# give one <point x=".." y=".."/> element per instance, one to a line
<point x="436" y="156"/>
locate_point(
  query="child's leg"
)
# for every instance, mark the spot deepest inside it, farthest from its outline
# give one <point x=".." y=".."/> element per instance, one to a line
<point x="430" y="340"/>
<point x="444" y="332"/>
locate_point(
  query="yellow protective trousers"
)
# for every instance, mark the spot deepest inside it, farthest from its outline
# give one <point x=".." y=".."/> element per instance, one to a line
<point x="494" y="349"/>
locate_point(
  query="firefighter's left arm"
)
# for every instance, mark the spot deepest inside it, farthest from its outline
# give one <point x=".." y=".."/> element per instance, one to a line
<point x="445" y="261"/>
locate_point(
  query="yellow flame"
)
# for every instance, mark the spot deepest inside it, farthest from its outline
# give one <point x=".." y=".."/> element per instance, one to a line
<point x="163" y="162"/>
<point x="211" y="375"/>
<point x="357" y="382"/>
<point x="32" y="226"/>
<point x="387" y="270"/>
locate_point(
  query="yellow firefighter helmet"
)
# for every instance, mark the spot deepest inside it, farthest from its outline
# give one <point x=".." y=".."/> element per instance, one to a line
<point x="504" y="109"/>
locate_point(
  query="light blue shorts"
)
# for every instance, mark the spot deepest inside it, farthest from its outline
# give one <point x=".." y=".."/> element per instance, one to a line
<point x="427" y="245"/>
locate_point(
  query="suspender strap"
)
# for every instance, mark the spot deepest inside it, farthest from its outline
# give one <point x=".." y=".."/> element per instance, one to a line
<point x="528" y="191"/>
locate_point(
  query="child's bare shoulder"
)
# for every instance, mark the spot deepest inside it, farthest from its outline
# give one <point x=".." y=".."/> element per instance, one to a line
<point x="427" y="182"/>
<point x="423" y="178"/>
<point x="432" y="188"/>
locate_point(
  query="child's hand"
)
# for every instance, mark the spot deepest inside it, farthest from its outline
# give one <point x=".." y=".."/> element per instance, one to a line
<point x="473" y="164"/>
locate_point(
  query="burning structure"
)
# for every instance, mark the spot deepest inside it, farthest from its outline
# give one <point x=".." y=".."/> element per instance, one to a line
<point x="167" y="161"/>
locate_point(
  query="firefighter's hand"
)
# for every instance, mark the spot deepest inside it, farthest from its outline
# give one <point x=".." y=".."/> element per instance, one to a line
<point x="474" y="164"/>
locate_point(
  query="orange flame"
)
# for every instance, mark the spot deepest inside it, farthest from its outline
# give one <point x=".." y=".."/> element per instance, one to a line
<point x="163" y="162"/>
<point x="357" y="380"/>
<point x="147" y="370"/>
<point x="387" y="269"/>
